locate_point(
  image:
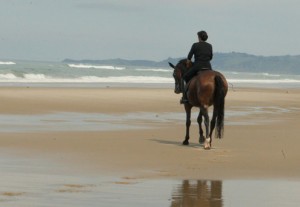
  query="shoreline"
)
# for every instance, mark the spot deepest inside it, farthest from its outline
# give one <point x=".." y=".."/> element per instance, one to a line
<point x="232" y="85"/>
<point x="259" y="151"/>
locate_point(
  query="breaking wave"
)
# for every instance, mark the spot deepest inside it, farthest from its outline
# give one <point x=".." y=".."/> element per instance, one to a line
<point x="7" y="63"/>
<point x="154" y="70"/>
<point x="41" y="78"/>
<point x="263" y="81"/>
<point x="105" y="67"/>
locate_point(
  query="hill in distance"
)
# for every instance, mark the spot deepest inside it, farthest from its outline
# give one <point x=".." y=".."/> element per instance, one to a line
<point x="239" y="62"/>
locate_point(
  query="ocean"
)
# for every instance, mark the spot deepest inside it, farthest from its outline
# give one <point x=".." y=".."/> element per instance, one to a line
<point x="55" y="74"/>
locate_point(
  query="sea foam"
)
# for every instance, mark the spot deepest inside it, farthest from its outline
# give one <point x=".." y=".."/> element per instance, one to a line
<point x="127" y="79"/>
<point x="263" y="81"/>
<point x="7" y="63"/>
<point x="8" y="76"/>
<point x="41" y="78"/>
<point x="154" y="70"/>
<point x="35" y="77"/>
<point x="106" y="67"/>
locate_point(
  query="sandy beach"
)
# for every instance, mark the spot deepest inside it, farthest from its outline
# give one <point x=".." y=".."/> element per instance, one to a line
<point x="261" y="143"/>
<point x="123" y="147"/>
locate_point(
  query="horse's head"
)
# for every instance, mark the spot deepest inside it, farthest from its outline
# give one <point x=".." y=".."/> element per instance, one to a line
<point x="179" y="70"/>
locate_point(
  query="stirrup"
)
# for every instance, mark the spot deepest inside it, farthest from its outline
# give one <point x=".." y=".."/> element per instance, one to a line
<point x="184" y="88"/>
<point x="183" y="101"/>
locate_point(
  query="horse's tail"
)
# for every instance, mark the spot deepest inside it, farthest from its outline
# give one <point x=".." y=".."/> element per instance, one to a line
<point x="219" y="104"/>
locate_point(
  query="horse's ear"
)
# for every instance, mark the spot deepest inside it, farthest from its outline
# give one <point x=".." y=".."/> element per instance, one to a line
<point x="171" y="65"/>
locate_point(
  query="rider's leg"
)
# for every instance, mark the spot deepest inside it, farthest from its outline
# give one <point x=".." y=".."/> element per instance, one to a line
<point x="184" y="91"/>
<point x="186" y="78"/>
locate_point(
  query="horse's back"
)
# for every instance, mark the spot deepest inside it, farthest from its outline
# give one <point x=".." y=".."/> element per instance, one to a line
<point x="208" y="77"/>
<point x="202" y="88"/>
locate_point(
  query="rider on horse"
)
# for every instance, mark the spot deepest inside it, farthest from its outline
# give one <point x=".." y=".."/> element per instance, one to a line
<point x="203" y="53"/>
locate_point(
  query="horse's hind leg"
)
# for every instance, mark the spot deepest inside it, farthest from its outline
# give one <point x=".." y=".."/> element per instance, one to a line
<point x="213" y="123"/>
<point x="207" y="143"/>
<point x="187" y="123"/>
<point x="206" y="121"/>
<point x="199" y="120"/>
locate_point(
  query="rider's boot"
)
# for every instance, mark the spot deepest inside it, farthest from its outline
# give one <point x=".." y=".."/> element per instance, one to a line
<point x="184" y="99"/>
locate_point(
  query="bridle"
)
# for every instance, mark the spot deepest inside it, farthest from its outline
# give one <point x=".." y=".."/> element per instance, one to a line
<point x="179" y="70"/>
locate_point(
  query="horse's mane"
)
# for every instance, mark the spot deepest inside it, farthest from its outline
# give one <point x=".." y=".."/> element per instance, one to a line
<point x="182" y="61"/>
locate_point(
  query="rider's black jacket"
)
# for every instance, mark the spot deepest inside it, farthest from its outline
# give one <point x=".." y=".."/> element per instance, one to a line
<point x="203" y="53"/>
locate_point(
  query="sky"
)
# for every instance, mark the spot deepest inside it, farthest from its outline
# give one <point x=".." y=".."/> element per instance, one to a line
<point x="145" y="29"/>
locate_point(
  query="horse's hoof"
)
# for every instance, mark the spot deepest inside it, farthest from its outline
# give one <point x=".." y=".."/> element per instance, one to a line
<point x="207" y="145"/>
<point x="185" y="142"/>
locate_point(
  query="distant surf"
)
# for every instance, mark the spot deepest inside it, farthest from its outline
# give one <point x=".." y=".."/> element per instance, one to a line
<point x="263" y="81"/>
<point x="155" y="70"/>
<point x="107" y="67"/>
<point x="33" y="72"/>
<point x="7" y="63"/>
<point x="41" y="78"/>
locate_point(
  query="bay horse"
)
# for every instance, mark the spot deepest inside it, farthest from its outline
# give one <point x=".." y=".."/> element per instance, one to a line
<point x="207" y="88"/>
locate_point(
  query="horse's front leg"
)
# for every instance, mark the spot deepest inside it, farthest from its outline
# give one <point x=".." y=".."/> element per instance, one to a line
<point x="187" y="123"/>
<point x="199" y="120"/>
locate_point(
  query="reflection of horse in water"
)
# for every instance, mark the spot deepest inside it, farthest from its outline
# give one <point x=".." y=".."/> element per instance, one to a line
<point x="198" y="193"/>
<point x="207" y="88"/>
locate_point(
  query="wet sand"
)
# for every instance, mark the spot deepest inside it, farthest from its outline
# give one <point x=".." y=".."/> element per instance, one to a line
<point x="262" y="143"/>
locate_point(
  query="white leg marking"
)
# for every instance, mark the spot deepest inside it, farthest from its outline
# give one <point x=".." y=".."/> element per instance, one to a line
<point x="207" y="144"/>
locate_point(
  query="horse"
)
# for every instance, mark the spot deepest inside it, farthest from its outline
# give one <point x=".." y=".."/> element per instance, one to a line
<point x="207" y="88"/>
